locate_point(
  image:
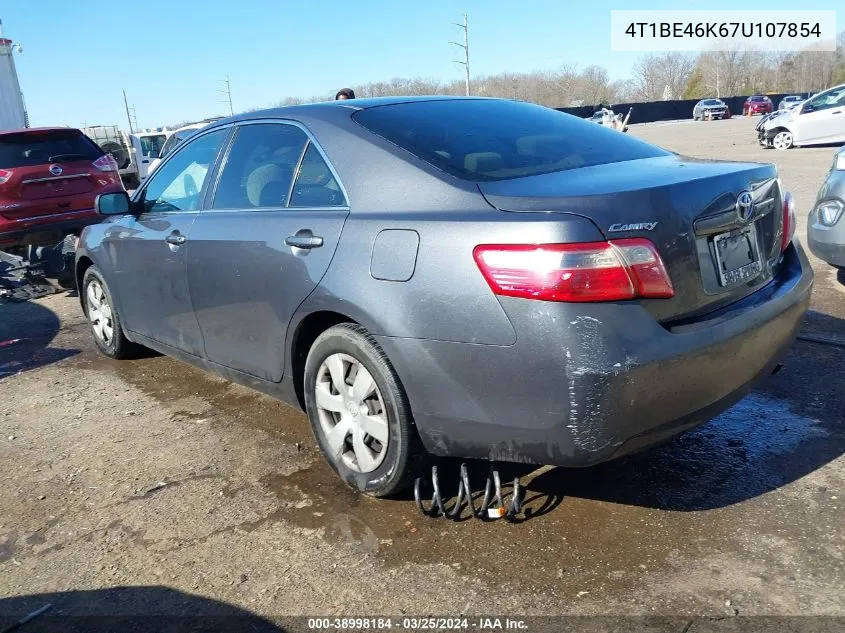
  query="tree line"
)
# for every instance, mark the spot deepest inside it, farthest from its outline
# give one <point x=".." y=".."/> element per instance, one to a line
<point x="654" y="77"/>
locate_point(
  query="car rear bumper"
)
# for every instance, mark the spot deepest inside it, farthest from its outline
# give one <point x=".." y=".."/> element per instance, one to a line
<point x="585" y="383"/>
<point x="41" y="230"/>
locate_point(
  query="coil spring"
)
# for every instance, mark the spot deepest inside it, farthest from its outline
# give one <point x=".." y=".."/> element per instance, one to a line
<point x="487" y="512"/>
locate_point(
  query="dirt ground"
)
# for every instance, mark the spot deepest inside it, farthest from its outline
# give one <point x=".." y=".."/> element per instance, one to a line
<point x="153" y="475"/>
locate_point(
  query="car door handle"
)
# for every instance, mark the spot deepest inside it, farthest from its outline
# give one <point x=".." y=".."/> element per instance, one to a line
<point x="176" y="239"/>
<point x="837" y="112"/>
<point x="304" y="241"/>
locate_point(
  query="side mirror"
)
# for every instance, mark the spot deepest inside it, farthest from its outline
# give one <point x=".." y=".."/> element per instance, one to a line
<point x="807" y="107"/>
<point x="112" y="203"/>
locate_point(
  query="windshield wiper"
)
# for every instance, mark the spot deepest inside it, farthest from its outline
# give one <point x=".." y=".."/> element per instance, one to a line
<point x="57" y="158"/>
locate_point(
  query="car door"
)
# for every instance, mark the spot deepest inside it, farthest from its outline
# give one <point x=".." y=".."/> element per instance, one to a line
<point x="148" y="250"/>
<point x="822" y="118"/>
<point x="262" y="244"/>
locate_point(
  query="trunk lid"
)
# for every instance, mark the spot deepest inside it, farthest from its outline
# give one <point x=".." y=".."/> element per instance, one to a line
<point x="687" y="207"/>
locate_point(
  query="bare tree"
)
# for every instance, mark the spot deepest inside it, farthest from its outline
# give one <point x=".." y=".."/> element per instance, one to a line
<point x="655" y="75"/>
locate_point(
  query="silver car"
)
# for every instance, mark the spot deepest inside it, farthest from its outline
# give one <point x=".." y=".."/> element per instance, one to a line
<point x="790" y="101"/>
<point x="826" y="228"/>
<point x="712" y="108"/>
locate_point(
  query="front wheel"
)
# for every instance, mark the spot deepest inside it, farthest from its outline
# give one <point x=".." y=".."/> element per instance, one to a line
<point x="782" y="140"/>
<point x="359" y="412"/>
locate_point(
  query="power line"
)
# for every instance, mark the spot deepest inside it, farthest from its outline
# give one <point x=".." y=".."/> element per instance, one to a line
<point x="228" y="93"/>
<point x="465" y="46"/>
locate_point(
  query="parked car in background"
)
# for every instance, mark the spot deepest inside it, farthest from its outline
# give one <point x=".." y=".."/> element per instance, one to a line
<point x="757" y="104"/>
<point x="276" y="271"/>
<point x="825" y="227"/>
<point x="146" y="148"/>
<point x="710" y="108"/>
<point x="177" y="137"/>
<point x="789" y="102"/>
<point x="49" y="179"/>
<point x="820" y="119"/>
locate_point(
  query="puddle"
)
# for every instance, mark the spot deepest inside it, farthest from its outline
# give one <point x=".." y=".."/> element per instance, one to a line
<point x="169" y="380"/>
<point x="7" y="546"/>
<point x="600" y="528"/>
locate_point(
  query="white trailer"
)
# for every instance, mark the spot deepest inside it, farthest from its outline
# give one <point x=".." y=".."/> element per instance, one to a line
<point x="12" y="111"/>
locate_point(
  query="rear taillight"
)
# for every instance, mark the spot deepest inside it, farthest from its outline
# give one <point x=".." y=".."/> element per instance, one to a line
<point x="106" y="163"/>
<point x="5" y="175"/>
<point x="592" y="271"/>
<point x="788" y="221"/>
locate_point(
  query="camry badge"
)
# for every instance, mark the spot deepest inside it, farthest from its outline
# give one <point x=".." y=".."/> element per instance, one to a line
<point x="634" y="226"/>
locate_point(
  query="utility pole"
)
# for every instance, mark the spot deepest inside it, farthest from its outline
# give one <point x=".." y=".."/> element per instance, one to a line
<point x="228" y="93"/>
<point x="465" y="46"/>
<point x="128" y="118"/>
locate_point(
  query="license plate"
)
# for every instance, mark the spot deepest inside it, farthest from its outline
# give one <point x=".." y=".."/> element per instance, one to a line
<point x="737" y="259"/>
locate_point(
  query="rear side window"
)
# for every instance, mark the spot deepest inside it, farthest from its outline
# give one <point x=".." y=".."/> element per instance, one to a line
<point x="315" y="185"/>
<point x="480" y="139"/>
<point x="260" y="167"/>
<point x="37" y="148"/>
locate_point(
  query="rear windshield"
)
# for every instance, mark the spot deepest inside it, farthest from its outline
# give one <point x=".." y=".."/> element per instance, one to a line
<point x="37" y="148"/>
<point x="758" y="98"/>
<point x="480" y="139"/>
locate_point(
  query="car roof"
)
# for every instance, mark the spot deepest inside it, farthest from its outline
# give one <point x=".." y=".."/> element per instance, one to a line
<point x="25" y="130"/>
<point x="339" y="107"/>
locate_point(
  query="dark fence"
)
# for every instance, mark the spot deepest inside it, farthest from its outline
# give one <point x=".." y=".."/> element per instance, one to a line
<point x="649" y="111"/>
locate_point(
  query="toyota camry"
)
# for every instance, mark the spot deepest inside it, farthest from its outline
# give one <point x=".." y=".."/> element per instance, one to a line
<point x="471" y="277"/>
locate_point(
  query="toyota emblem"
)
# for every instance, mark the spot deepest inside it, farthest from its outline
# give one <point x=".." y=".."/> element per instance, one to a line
<point x="744" y="206"/>
<point x="56" y="170"/>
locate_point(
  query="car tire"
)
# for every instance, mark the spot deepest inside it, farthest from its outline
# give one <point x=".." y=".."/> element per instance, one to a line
<point x="339" y="415"/>
<point x="783" y="140"/>
<point x="106" y="328"/>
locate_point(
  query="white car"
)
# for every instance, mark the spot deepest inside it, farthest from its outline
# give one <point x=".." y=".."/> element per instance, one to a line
<point x="173" y="140"/>
<point x="820" y="119"/>
<point x="147" y="148"/>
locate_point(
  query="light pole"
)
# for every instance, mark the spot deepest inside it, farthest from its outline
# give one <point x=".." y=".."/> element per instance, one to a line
<point x="465" y="46"/>
<point x="228" y="93"/>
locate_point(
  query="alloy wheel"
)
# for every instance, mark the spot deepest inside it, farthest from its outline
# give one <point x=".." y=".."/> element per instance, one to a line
<point x="352" y="414"/>
<point x="782" y="140"/>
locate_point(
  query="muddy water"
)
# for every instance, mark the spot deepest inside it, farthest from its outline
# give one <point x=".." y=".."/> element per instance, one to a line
<point x="604" y="526"/>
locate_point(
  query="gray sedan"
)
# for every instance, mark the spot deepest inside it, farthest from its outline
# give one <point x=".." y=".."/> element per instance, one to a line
<point x="477" y="278"/>
<point x="826" y="228"/>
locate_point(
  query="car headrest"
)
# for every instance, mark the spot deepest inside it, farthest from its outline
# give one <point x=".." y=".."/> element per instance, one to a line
<point x="483" y="162"/>
<point x="263" y="176"/>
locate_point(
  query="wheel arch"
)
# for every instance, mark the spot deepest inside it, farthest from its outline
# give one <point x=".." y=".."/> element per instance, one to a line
<point x="83" y="263"/>
<point x="304" y="333"/>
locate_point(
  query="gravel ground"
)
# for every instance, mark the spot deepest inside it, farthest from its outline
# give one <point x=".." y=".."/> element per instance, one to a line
<point x="197" y="494"/>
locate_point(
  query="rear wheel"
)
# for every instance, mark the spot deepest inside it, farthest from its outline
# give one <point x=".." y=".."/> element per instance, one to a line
<point x="782" y="140"/>
<point x="102" y="315"/>
<point x="359" y="412"/>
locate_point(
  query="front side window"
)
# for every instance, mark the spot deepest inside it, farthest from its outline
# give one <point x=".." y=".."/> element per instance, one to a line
<point x="315" y="185"/>
<point x="260" y="167"/>
<point x="480" y="139"/>
<point x="177" y="185"/>
<point x="830" y="99"/>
